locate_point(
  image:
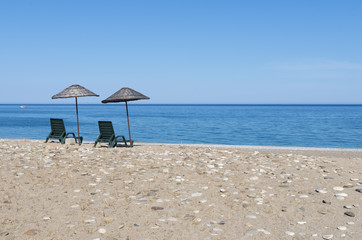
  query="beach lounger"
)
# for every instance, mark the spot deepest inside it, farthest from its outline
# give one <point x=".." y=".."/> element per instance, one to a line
<point x="58" y="131"/>
<point x="107" y="135"/>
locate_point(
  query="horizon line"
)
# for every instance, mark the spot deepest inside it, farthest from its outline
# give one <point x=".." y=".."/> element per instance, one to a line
<point x="136" y="103"/>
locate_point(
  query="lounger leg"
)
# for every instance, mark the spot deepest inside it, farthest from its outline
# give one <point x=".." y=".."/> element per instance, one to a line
<point x="75" y="139"/>
<point x="95" y="143"/>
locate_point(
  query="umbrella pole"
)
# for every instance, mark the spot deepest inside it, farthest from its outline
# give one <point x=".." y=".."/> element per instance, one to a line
<point x="76" y="109"/>
<point x="129" y="130"/>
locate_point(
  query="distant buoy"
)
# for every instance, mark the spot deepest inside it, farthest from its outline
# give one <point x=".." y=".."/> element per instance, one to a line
<point x="22" y="106"/>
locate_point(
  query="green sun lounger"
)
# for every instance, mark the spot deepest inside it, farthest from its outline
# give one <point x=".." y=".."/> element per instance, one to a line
<point x="58" y="131"/>
<point x="107" y="135"/>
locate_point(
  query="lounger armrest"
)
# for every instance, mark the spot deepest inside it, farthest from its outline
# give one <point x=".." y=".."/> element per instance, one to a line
<point x="123" y="138"/>
<point x="75" y="138"/>
<point x="130" y="143"/>
<point x="70" y="133"/>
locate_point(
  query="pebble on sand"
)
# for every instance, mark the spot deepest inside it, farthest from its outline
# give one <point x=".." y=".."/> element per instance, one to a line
<point x="329" y="236"/>
<point x="198" y="194"/>
<point x="157" y="208"/>
<point x="108" y="219"/>
<point x="31" y="232"/>
<point x="321" y="190"/>
<point x="349" y="214"/>
<point x="338" y="188"/>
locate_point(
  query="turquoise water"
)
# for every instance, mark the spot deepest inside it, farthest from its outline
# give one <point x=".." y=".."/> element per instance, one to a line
<point x="269" y="125"/>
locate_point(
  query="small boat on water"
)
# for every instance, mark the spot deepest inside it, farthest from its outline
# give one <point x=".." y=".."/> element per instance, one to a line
<point x="22" y="106"/>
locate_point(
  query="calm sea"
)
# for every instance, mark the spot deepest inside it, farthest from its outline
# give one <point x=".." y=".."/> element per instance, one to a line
<point x="337" y="126"/>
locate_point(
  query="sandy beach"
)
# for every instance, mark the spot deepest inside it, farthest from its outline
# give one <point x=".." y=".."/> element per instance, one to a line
<point x="156" y="191"/>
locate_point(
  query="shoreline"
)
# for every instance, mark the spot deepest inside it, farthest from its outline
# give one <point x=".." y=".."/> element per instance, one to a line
<point x="251" y="147"/>
<point x="336" y="152"/>
<point x="318" y="151"/>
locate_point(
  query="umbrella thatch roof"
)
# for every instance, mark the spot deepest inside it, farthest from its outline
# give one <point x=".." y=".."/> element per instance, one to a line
<point x="75" y="91"/>
<point x="125" y="95"/>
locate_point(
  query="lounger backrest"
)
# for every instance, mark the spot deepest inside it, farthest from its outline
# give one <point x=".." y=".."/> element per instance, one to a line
<point x="106" y="129"/>
<point x="57" y="126"/>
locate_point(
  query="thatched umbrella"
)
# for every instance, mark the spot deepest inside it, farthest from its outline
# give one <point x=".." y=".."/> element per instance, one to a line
<point x="126" y="95"/>
<point x="75" y="91"/>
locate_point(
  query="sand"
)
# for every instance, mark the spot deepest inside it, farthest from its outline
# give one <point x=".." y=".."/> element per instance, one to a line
<point x="160" y="191"/>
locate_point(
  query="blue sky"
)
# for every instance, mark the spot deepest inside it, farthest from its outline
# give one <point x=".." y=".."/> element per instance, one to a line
<point x="183" y="51"/>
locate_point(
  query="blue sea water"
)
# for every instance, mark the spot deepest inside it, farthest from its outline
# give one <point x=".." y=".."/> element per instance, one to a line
<point x="337" y="126"/>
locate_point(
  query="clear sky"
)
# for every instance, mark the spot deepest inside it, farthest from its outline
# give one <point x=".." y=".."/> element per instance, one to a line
<point x="185" y="51"/>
